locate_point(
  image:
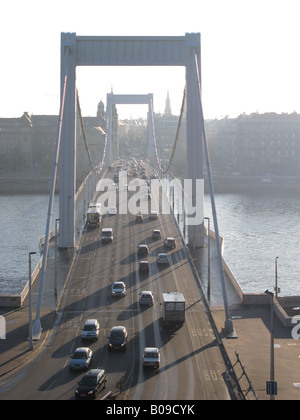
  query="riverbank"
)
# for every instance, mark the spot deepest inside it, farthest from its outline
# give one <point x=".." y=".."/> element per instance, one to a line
<point x="226" y="184"/>
<point x="25" y="185"/>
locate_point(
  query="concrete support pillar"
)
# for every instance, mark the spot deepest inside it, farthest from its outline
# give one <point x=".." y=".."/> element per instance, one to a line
<point x="194" y="141"/>
<point x="108" y="155"/>
<point x="67" y="157"/>
<point x="152" y="151"/>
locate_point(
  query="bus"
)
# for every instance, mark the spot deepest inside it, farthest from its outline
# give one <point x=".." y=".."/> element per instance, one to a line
<point x="94" y="215"/>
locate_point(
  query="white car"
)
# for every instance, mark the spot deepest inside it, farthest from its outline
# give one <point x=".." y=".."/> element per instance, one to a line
<point x="90" y="331"/>
<point x="162" y="259"/>
<point x="153" y="215"/>
<point x="118" y="289"/>
<point x="151" y="357"/>
<point x="112" y="210"/>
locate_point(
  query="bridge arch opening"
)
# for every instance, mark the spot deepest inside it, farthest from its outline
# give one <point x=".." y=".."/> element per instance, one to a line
<point x="121" y="51"/>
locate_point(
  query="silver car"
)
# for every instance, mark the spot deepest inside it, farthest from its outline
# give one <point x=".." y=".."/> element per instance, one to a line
<point x="151" y="357"/>
<point x="146" y="297"/>
<point x="81" y="358"/>
<point x="162" y="259"/>
<point x="156" y="234"/>
<point x="118" y="289"/>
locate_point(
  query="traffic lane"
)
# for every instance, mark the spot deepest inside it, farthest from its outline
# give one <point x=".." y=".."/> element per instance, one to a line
<point x="153" y="384"/>
<point x="179" y="276"/>
<point x="107" y="312"/>
<point x="120" y="311"/>
<point x="209" y="362"/>
<point x="56" y="381"/>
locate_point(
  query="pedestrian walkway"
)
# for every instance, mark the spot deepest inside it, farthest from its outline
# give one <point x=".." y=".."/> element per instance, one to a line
<point x="252" y="326"/>
<point x="14" y="349"/>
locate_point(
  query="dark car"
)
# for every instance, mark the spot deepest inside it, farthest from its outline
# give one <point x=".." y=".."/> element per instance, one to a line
<point x="144" y="267"/>
<point x="118" y="338"/>
<point x="143" y="250"/>
<point x="139" y="218"/>
<point x="91" y="384"/>
<point x="170" y="243"/>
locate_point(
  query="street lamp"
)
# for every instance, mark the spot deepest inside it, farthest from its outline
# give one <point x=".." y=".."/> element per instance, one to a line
<point x="55" y="271"/>
<point x="208" y="249"/>
<point x="30" y="303"/>
<point x="276" y="279"/>
<point x="272" y="395"/>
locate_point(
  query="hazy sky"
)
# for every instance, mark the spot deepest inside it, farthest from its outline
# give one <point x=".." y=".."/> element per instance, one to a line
<point x="250" y="54"/>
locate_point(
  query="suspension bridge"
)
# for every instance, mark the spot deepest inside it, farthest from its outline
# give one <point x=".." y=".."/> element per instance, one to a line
<point x="194" y="363"/>
<point x="123" y="51"/>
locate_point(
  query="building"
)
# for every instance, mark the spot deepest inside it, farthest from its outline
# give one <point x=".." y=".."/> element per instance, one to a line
<point x="16" y="147"/>
<point x="27" y="144"/>
<point x="256" y="144"/>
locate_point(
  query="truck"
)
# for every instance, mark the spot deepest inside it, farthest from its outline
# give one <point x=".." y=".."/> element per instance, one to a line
<point x="94" y="215"/>
<point x="173" y="308"/>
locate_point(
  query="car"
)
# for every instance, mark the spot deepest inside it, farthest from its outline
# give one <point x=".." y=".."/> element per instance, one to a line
<point x="91" y="329"/>
<point x="139" y="218"/>
<point x="156" y="234"/>
<point x="162" y="259"/>
<point x="112" y="210"/>
<point x="151" y="357"/>
<point x="81" y="358"/>
<point x="118" y="338"/>
<point x="118" y="289"/>
<point x="91" y="384"/>
<point x="144" y="267"/>
<point x="170" y="243"/>
<point x="107" y="235"/>
<point x="146" y="298"/>
<point x="149" y="197"/>
<point x="153" y="215"/>
<point x="142" y="250"/>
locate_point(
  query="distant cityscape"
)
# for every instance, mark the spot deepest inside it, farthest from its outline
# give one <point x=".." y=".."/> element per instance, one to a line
<point x="250" y="145"/>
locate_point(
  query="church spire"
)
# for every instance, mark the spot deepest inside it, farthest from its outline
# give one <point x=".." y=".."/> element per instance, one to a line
<point x="168" y="110"/>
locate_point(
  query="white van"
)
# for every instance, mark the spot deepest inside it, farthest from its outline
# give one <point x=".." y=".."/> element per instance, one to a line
<point x="107" y="235"/>
<point x="90" y="331"/>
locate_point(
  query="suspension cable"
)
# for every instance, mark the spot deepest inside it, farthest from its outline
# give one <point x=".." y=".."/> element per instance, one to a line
<point x="96" y="169"/>
<point x="178" y="130"/>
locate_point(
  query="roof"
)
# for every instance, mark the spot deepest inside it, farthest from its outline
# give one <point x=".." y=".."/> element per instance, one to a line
<point x="94" y="372"/>
<point x="173" y="296"/>
<point x="151" y="349"/>
<point x="90" y="321"/>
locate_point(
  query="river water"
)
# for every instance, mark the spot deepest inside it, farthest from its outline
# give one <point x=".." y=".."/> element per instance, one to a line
<point x="256" y="227"/>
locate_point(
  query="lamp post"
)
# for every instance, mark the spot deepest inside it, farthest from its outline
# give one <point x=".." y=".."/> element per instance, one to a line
<point x="55" y="261"/>
<point x="208" y="267"/>
<point x="69" y="252"/>
<point x="276" y="279"/>
<point x="30" y="303"/>
<point x="272" y="368"/>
